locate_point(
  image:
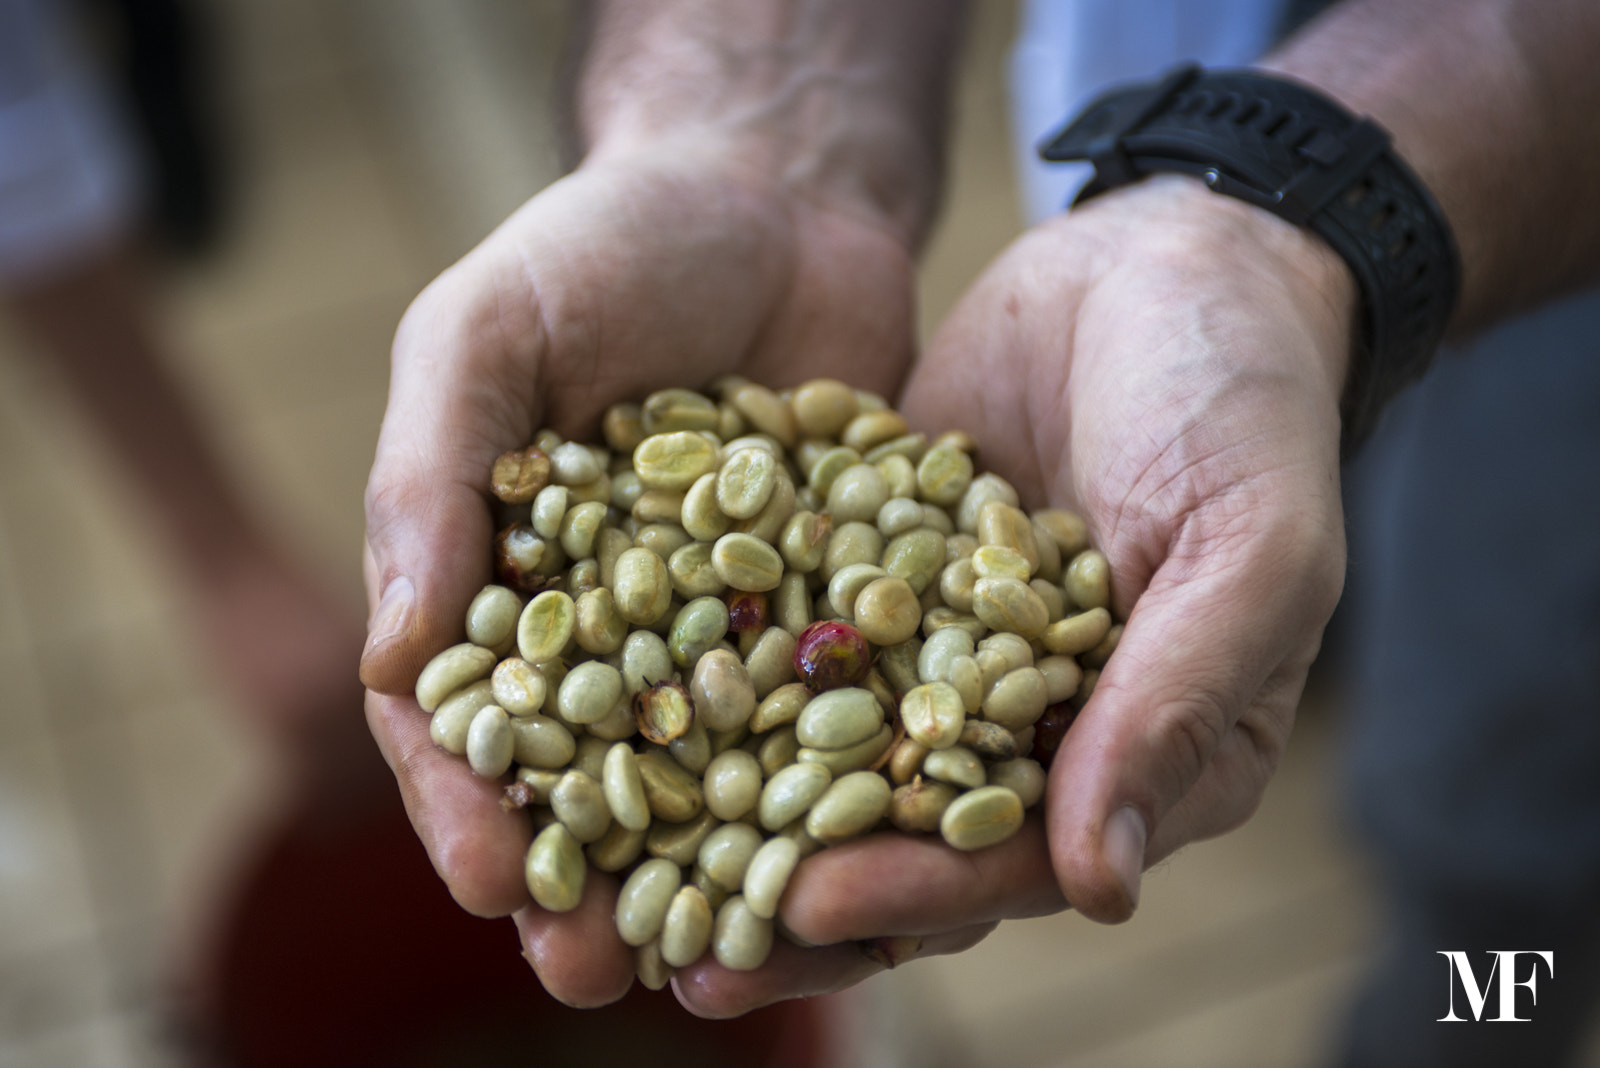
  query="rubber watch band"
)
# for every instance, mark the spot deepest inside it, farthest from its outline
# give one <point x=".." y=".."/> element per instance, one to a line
<point x="1288" y="149"/>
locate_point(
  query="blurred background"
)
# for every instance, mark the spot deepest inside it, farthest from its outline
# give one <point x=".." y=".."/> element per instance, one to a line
<point x="364" y="146"/>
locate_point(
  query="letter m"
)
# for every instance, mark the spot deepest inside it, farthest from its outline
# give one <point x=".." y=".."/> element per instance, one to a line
<point x="1476" y="995"/>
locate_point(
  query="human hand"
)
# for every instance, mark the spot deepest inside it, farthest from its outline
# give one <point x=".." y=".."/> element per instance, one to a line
<point x="634" y="273"/>
<point x="1168" y="363"/>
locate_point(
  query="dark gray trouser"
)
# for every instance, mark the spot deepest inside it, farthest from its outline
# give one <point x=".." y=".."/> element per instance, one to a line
<point x="1470" y="645"/>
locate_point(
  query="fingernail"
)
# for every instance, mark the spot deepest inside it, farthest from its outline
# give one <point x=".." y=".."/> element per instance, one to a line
<point x="394" y="612"/>
<point x="890" y="951"/>
<point x="1124" y="849"/>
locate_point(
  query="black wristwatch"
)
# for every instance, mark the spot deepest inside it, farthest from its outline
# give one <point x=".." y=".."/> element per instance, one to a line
<point x="1285" y="147"/>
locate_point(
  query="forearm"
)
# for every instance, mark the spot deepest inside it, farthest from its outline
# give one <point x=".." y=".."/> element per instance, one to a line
<point x="1493" y="103"/>
<point x="839" y="100"/>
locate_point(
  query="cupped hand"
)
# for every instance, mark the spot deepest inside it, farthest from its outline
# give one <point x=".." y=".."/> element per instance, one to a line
<point x="634" y="273"/>
<point x="1168" y="363"/>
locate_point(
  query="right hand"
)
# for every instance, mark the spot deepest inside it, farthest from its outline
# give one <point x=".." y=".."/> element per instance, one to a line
<point x="664" y="268"/>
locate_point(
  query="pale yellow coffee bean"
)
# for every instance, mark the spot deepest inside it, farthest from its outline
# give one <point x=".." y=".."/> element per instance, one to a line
<point x="673" y="794"/>
<point x="579" y="803"/>
<point x="626" y="489"/>
<point x="489" y="742"/>
<point x="967" y="677"/>
<point x="726" y="853"/>
<point x="905" y="763"/>
<point x="590" y="757"/>
<point x="1097" y="657"/>
<point x="829" y="466"/>
<point x="624" y="790"/>
<point x="1000" y="562"/>
<point x="555" y="869"/>
<point x="849" y="808"/>
<point x="782" y="706"/>
<point x="643" y="901"/>
<point x="663" y="539"/>
<point x="596" y="492"/>
<point x="1067" y="529"/>
<point x="457" y="667"/>
<point x="643" y="587"/>
<point x="804" y="540"/>
<point x="823" y="407"/>
<point x="1062" y="675"/>
<point x="579" y="527"/>
<point x="582" y="577"/>
<point x="768" y="523"/>
<point x="1008" y="526"/>
<point x="668" y="410"/>
<point x="894" y="462"/>
<point x="1078" y="633"/>
<point x="696" y="629"/>
<point x="623" y="427"/>
<point x="956" y="765"/>
<point x="617" y="724"/>
<point x="691" y="572"/>
<point x="944" y="474"/>
<point x="589" y="691"/>
<point x="653" y="972"/>
<point x="1017" y="699"/>
<point x="1021" y="776"/>
<point x="767" y="875"/>
<point x="546" y="626"/>
<point x="765" y="411"/>
<point x="916" y="556"/>
<point x="887" y="612"/>
<point x="778" y="750"/>
<point x="851" y="758"/>
<point x="771" y="663"/>
<point x="839" y="718"/>
<point x="789" y="794"/>
<point x="745" y="483"/>
<point x="1014" y="649"/>
<point x="846" y="584"/>
<point x="871" y="429"/>
<point x="899" y="515"/>
<point x="686" y="932"/>
<point x="857" y="494"/>
<point x="918" y="806"/>
<point x="983" y="817"/>
<point x="701" y="516"/>
<point x="492" y="619"/>
<point x="645" y="661"/>
<point x="730" y="423"/>
<point x="1006" y="604"/>
<point x="1055" y="601"/>
<point x="746" y="562"/>
<point x="983" y="489"/>
<point x="609" y="545"/>
<point x="733" y="786"/>
<point x="453" y="718"/>
<point x="680" y="842"/>
<point x="956" y="582"/>
<point x="740" y="940"/>
<point x="658" y="506"/>
<point x="724" y="696"/>
<point x="1050" y="561"/>
<point x="616" y="849"/>
<point x="572" y="464"/>
<point x="549" y="508"/>
<point x="942" y="646"/>
<point x="791" y="603"/>
<point x="598" y="627"/>
<point x="518" y="686"/>
<point x="933" y="714"/>
<point x="674" y="461"/>
<point x="1088" y="580"/>
<point x="851" y="543"/>
<point x="541" y="742"/>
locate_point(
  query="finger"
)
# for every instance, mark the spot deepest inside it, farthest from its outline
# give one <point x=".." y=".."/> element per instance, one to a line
<point x="1199" y="649"/>
<point x="578" y="955"/>
<point x="858" y="890"/>
<point x="708" y="989"/>
<point x="453" y="407"/>
<point x="476" y="846"/>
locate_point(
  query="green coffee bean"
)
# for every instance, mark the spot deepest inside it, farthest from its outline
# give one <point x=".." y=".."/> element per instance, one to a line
<point x="663" y="539"/>
<point x="642" y="587"/>
<point x="579" y="527"/>
<point x="1003" y="524"/>
<point x="589" y="756"/>
<point x="696" y="630"/>
<point x="886" y="611"/>
<point x="691" y="572"/>
<point x="767" y="875"/>
<point x="1009" y="605"/>
<point x="589" y="692"/>
<point x="741" y="940"/>
<point x="518" y="687"/>
<point x="673" y="794"/>
<point x="804" y="540"/>
<point x="957" y="765"/>
<point x="701" y="516"/>
<point x="686" y="932"/>
<point x="839" y="718"/>
<point x="778" y="750"/>
<point x="726" y="853"/>
<point x="870" y="429"/>
<point x="790" y="793"/>
<point x="944" y="474"/>
<point x="546" y="626"/>
<point x="674" y="461"/>
<point x="579" y="803"/>
<point x="645" y="661"/>
<point x="456" y="667"/>
<point x="983" y="489"/>
<point x="990" y="741"/>
<point x="899" y="515"/>
<point x="857" y="494"/>
<point x="941" y="647"/>
<point x="492" y="619"/>
<point x="453" y="719"/>
<point x="765" y="411"/>
<point x="965" y="675"/>
<point x="916" y="556"/>
<point x="549" y="508"/>
<point x="1062" y="676"/>
<point x="847" y="583"/>
<point x="1088" y="580"/>
<point x="679" y="842"/>
<point x="899" y="663"/>
<point x="895" y="462"/>
<point x="1017" y="699"/>
<point x="982" y="817"/>
<point x="1021" y="776"/>
<point x="572" y="464"/>
<point x="1097" y="657"/>
<point x="623" y="789"/>
<point x="933" y="714"/>
<point x="489" y="743"/>
<point x="643" y="901"/>
<point x="724" y="696"/>
<point x="745" y="562"/>
<point x="626" y="489"/>
<point x="790" y="603"/>
<point x="732" y="785"/>
<point x="598" y="627"/>
<point x="849" y="808"/>
<point x="745" y="482"/>
<point x="616" y="849"/>
<point x="669" y="410"/>
<point x="823" y="407"/>
<point x="771" y="663"/>
<point x="653" y="972"/>
<point x="692" y="748"/>
<point x="919" y="805"/>
<point x="851" y="543"/>
<point x="540" y="781"/>
<point x="555" y="869"/>
<point x="658" y="506"/>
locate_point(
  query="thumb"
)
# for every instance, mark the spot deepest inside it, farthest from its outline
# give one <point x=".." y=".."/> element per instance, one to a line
<point x="1191" y="712"/>
<point x="428" y="511"/>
